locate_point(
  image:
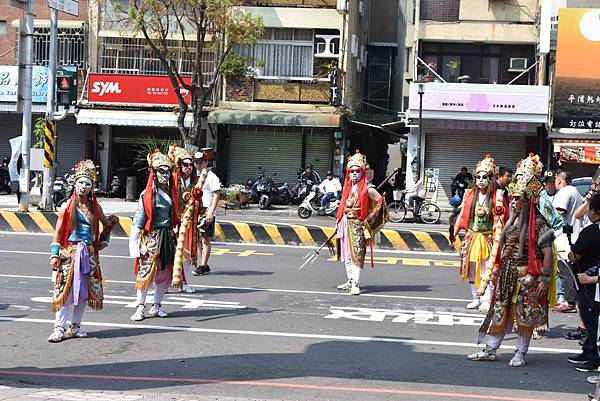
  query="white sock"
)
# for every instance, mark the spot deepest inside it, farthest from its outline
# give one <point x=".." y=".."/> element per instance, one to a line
<point x="356" y="275"/>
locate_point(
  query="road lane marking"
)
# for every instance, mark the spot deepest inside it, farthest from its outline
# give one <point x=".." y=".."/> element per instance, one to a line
<point x="260" y="383"/>
<point x="187" y="303"/>
<point x="405" y="316"/>
<point x="261" y="289"/>
<point x="310" y="336"/>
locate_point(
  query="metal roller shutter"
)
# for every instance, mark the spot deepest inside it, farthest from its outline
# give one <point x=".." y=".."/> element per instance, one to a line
<point x="70" y="144"/>
<point x="11" y="127"/>
<point x="450" y="152"/>
<point x="318" y="151"/>
<point x="276" y="149"/>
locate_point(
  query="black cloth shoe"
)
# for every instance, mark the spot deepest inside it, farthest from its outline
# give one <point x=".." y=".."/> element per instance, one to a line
<point x="583" y="340"/>
<point x="198" y="271"/>
<point x="576" y="334"/>
<point x="578" y="359"/>
<point x="589" y="366"/>
<point x="206" y="269"/>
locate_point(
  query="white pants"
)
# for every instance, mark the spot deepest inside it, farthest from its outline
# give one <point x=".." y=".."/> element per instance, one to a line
<point x="159" y="293"/>
<point x="353" y="272"/>
<point x="487" y="295"/>
<point x="187" y="272"/>
<point x="60" y="319"/>
<point x="494" y="342"/>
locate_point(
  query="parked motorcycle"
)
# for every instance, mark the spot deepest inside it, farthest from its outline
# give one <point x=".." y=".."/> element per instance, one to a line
<point x="5" y="176"/>
<point x="62" y="189"/>
<point x="117" y="186"/>
<point x="301" y="190"/>
<point x="269" y="192"/>
<point x="312" y="204"/>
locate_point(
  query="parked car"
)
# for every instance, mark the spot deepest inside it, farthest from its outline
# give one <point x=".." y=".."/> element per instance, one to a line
<point x="582" y="184"/>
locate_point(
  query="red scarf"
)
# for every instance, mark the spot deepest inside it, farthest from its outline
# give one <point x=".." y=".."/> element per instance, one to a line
<point x="468" y="206"/>
<point x="149" y="201"/>
<point x="65" y="228"/>
<point x="363" y="195"/>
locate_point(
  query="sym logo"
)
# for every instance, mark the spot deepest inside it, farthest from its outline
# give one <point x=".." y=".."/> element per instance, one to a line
<point x="101" y="88"/>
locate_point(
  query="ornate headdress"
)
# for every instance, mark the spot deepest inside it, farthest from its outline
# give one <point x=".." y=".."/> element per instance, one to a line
<point x="158" y="159"/>
<point x="527" y="175"/>
<point x="487" y="165"/>
<point x="86" y="168"/>
<point x="357" y="160"/>
<point x="177" y="153"/>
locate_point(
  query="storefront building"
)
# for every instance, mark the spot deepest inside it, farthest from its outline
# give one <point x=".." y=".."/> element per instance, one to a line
<point x="463" y="122"/>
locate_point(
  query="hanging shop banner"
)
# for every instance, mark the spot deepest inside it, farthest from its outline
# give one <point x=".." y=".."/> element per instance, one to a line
<point x="580" y="154"/>
<point x="9" y="83"/>
<point x="577" y="83"/>
<point x="134" y="89"/>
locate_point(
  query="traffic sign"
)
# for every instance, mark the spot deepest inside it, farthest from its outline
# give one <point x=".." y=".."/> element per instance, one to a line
<point x="66" y="6"/>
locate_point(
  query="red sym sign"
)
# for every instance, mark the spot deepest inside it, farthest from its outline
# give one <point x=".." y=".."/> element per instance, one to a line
<point x="134" y="89"/>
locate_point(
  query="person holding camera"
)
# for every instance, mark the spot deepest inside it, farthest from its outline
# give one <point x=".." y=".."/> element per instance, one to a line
<point x="585" y="254"/>
<point x="581" y="212"/>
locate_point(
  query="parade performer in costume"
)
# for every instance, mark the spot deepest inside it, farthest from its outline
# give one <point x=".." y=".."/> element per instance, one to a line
<point x="152" y="240"/>
<point x="74" y="259"/>
<point x="184" y="181"/>
<point x="521" y="281"/>
<point x="362" y="212"/>
<point x="482" y="216"/>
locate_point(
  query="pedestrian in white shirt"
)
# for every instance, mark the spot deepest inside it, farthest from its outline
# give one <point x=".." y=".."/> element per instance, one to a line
<point x="416" y="192"/>
<point x="211" y="193"/>
<point x="330" y="187"/>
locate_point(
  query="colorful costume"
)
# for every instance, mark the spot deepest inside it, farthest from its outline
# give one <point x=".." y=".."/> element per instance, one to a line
<point x="151" y="239"/>
<point x="525" y="271"/>
<point x="358" y="219"/>
<point x="482" y="217"/>
<point x="77" y="277"/>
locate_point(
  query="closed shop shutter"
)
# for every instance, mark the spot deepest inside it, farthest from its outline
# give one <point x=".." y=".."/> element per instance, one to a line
<point x="275" y="149"/>
<point x="450" y="152"/>
<point x="318" y="150"/>
<point x="70" y="144"/>
<point x="11" y="127"/>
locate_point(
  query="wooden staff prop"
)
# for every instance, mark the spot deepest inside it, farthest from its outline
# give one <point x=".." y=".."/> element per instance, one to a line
<point x="314" y="255"/>
<point x="193" y="202"/>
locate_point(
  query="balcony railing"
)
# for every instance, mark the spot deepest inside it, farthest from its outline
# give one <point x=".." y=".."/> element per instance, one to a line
<point x="296" y="92"/>
<point x="292" y="3"/>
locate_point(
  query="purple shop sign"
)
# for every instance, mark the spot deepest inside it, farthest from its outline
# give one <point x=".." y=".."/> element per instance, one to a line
<point x="474" y="98"/>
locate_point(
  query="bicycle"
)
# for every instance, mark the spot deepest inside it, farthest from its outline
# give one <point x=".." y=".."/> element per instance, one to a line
<point x="428" y="212"/>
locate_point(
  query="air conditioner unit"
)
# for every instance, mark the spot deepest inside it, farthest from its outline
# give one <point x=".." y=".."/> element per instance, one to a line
<point x="354" y="45"/>
<point x="363" y="56"/>
<point x="517" y="64"/>
<point x="361" y="8"/>
<point x="342" y="5"/>
<point x="358" y="65"/>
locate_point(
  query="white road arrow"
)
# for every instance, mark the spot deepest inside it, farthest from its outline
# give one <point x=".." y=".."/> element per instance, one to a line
<point x="186" y="303"/>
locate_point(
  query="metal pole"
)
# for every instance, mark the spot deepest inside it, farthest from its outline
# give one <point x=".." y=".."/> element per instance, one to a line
<point x="27" y="38"/>
<point x="49" y="167"/>
<point x="420" y="132"/>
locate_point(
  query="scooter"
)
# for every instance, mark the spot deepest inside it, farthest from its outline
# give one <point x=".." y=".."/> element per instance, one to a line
<point x="5" y="176"/>
<point x="269" y="192"/>
<point x="312" y="204"/>
<point x="62" y="189"/>
<point x="117" y="183"/>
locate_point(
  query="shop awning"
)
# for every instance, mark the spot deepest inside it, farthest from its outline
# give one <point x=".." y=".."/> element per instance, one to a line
<point x="131" y="118"/>
<point x="578" y="152"/>
<point x="277" y="118"/>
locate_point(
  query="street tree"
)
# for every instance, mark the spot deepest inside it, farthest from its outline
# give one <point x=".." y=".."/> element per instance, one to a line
<point x="200" y="25"/>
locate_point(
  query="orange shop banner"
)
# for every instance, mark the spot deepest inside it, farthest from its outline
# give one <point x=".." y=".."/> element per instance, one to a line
<point x="589" y="154"/>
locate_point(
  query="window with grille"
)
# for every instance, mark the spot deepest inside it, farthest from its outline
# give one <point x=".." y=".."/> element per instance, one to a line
<point x="286" y="52"/>
<point x="71" y="46"/>
<point x="134" y="56"/>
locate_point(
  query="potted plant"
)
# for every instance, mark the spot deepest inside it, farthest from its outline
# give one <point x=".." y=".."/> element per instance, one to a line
<point x="453" y="66"/>
<point x="233" y="66"/>
<point x="259" y="68"/>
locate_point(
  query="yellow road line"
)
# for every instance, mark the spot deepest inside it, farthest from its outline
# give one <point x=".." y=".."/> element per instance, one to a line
<point x="274" y="233"/>
<point x="42" y="222"/>
<point x="13" y="221"/>
<point x="303" y="234"/>
<point x="327" y="231"/>
<point x="396" y="240"/>
<point x="125" y="223"/>
<point x="245" y="232"/>
<point x="425" y="239"/>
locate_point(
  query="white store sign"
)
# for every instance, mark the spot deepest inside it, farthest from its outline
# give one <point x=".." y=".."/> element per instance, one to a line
<point x="66" y="6"/>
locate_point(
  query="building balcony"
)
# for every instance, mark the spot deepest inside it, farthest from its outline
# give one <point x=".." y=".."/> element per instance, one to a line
<point x="291" y="3"/>
<point x="278" y="90"/>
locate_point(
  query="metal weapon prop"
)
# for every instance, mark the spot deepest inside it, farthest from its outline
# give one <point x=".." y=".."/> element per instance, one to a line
<point x="314" y="255"/>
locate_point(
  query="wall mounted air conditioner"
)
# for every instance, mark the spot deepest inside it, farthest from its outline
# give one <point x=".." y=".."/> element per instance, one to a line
<point x="358" y="65"/>
<point x="342" y="5"/>
<point x="363" y="56"/>
<point x="361" y="8"/>
<point x="354" y="45"/>
<point x="517" y="64"/>
<point x="327" y="45"/>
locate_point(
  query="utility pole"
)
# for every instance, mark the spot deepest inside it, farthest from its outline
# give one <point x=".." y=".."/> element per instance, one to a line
<point x="25" y="54"/>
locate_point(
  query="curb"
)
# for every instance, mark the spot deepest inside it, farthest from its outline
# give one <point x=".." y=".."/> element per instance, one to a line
<point x="262" y="233"/>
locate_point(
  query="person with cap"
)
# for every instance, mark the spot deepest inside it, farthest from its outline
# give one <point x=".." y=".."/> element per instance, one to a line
<point x="549" y="180"/>
<point x="76" y="274"/>
<point x="211" y="193"/>
<point x="152" y="237"/>
<point x="330" y="188"/>
<point x="310" y="175"/>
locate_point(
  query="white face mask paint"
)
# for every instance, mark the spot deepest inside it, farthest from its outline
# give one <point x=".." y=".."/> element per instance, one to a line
<point x="186" y="167"/>
<point x="355" y="176"/>
<point x="162" y="175"/>
<point x="482" y="180"/>
<point x="83" y="186"/>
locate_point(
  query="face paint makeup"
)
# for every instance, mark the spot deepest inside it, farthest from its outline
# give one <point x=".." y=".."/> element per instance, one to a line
<point x="355" y="175"/>
<point x="83" y="186"/>
<point x="482" y="180"/>
<point x="162" y="175"/>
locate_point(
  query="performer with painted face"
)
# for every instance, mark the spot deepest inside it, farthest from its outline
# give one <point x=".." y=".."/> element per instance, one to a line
<point x="152" y="238"/>
<point x="362" y="211"/>
<point x="184" y="181"/>
<point x="522" y="280"/>
<point x="482" y="217"/>
<point x="74" y="259"/>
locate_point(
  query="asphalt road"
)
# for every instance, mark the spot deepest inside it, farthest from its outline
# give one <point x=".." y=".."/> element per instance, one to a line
<point x="259" y="329"/>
